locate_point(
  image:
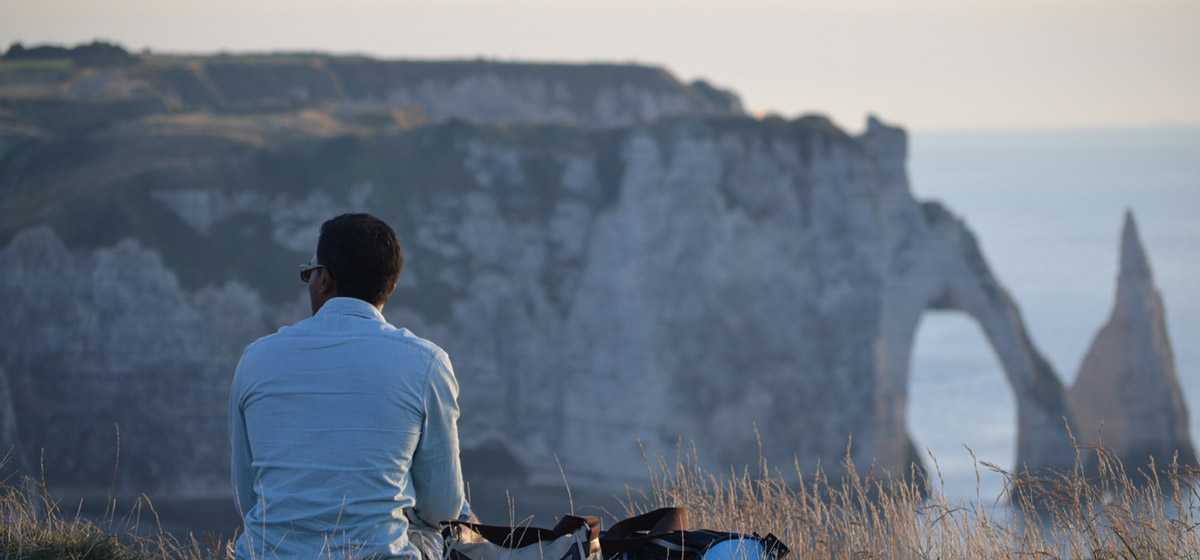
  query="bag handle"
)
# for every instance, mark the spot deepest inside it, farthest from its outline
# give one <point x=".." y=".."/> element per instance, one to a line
<point x="518" y="537"/>
<point x="631" y="533"/>
<point x="655" y="523"/>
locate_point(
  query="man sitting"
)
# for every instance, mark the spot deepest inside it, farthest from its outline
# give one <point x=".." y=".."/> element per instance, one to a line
<point x="343" y="427"/>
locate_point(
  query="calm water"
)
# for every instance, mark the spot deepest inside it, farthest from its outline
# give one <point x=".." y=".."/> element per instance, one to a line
<point x="1047" y="207"/>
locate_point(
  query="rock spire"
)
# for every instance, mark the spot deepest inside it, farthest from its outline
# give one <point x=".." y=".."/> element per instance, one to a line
<point x="1127" y="394"/>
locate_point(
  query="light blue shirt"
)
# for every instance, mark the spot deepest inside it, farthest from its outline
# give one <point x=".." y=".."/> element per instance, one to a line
<point x="343" y="429"/>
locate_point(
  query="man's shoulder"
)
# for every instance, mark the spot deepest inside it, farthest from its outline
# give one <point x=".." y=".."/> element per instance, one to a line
<point x="387" y="334"/>
<point x="268" y="340"/>
<point x="386" y="339"/>
<point x="258" y="344"/>
<point x="406" y="338"/>
<point x="279" y="340"/>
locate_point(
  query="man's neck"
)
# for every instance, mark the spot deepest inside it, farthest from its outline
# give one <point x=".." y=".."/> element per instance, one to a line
<point x="318" y="305"/>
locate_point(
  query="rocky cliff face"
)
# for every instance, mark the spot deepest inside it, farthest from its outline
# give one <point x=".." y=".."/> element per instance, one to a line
<point x="598" y="281"/>
<point x="106" y="354"/>
<point x="1127" y="393"/>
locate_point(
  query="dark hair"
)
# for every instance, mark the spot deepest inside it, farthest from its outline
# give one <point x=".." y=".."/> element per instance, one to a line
<point x="363" y="255"/>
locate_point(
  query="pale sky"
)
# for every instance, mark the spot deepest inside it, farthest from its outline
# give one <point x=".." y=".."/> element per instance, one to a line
<point x="923" y="64"/>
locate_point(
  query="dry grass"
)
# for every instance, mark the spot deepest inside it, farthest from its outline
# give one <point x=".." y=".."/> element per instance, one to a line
<point x="1112" y="515"/>
<point x="1044" y="515"/>
<point x="33" y="526"/>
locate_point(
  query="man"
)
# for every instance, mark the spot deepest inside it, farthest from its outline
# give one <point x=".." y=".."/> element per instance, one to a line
<point x="343" y="427"/>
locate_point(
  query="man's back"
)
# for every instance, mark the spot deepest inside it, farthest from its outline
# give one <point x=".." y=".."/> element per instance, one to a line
<point x="341" y="425"/>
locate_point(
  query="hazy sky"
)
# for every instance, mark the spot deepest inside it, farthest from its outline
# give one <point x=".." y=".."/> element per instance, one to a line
<point x="925" y="64"/>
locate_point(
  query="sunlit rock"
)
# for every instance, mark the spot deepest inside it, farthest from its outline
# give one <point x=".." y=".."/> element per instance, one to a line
<point x="1127" y="394"/>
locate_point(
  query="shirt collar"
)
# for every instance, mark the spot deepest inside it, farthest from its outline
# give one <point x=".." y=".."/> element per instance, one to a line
<point x="351" y="306"/>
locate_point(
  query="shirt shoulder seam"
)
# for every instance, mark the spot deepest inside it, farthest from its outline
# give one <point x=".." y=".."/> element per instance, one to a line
<point x="434" y="355"/>
<point x="424" y="348"/>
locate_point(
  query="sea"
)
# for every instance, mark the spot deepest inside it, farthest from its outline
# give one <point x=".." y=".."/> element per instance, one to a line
<point x="1047" y="207"/>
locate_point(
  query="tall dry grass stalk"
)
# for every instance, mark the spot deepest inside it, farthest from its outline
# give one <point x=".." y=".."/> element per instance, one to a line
<point x="859" y="515"/>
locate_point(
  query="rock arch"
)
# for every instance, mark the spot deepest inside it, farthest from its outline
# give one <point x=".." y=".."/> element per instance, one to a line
<point x="933" y="262"/>
<point x="959" y="399"/>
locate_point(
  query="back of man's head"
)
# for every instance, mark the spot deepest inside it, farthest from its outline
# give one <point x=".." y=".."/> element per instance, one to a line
<point x="363" y="255"/>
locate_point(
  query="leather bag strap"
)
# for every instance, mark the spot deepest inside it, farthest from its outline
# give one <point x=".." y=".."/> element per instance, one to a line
<point x="518" y="537"/>
<point x="629" y="534"/>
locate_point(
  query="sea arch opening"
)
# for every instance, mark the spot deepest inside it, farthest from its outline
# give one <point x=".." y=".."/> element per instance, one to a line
<point x="958" y="394"/>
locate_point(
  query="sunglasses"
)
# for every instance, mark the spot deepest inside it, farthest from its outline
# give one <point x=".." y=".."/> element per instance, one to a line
<point x="306" y="271"/>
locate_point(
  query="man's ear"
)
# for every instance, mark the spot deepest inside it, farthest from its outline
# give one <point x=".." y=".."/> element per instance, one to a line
<point x="327" y="283"/>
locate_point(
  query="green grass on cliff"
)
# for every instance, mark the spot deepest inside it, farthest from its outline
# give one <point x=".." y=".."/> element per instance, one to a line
<point x="54" y="65"/>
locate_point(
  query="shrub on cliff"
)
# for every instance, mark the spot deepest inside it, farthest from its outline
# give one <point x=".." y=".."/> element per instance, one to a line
<point x="98" y="53"/>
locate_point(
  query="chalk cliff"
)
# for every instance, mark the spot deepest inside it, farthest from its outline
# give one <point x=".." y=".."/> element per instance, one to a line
<point x="616" y="271"/>
<point x="1127" y="393"/>
<point x="933" y="261"/>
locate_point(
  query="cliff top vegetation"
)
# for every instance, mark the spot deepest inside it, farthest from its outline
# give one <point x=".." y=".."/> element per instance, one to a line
<point x="1112" y="514"/>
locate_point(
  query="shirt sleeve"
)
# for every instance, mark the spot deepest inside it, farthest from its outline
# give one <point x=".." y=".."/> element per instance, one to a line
<point x="436" y="471"/>
<point x="241" y="456"/>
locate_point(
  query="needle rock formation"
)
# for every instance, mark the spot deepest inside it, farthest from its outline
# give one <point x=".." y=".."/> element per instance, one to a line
<point x="1127" y="394"/>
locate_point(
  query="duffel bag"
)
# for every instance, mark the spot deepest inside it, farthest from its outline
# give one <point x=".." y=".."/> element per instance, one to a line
<point x="574" y="538"/>
<point x="663" y="534"/>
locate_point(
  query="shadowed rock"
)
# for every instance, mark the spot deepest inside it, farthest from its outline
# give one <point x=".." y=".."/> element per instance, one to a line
<point x="1127" y="394"/>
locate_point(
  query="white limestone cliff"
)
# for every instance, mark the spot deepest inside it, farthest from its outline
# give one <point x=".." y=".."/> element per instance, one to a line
<point x="105" y="340"/>
<point x="1127" y="394"/>
<point x="693" y="279"/>
<point x="933" y="262"/>
<point x="765" y="277"/>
